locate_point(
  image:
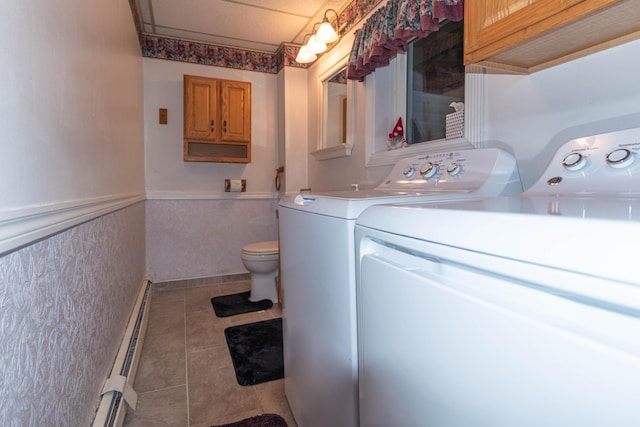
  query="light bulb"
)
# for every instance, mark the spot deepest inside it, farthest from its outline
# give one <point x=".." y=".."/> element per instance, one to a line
<point x="315" y="46"/>
<point x="304" y="56"/>
<point x="326" y="33"/>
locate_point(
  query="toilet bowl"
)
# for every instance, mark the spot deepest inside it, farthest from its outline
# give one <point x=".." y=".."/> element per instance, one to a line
<point x="261" y="259"/>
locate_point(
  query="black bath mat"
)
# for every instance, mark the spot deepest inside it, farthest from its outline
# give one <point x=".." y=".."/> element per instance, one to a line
<point x="229" y="305"/>
<point x="264" y="420"/>
<point x="256" y="351"/>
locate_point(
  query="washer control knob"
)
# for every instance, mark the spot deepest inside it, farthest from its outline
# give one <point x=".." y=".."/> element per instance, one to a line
<point x="454" y="168"/>
<point x="429" y="170"/>
<point x="620" y="158"/>
<point x="409" y="172"/>
<point x="574" y="162"/>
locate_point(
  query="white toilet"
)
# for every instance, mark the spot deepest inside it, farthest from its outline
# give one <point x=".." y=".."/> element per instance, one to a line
<point x="261" y="259"/>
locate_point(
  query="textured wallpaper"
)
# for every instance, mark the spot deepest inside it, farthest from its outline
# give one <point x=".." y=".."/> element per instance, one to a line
<point x="64" y="305"/>
<point x="203" y="238"/>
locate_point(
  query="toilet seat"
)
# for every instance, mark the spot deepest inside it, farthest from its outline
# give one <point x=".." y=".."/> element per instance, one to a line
<point x="262" y="248"/>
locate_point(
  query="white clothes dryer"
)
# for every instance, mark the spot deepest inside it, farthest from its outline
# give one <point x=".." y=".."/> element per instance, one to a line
<point x="511" y="310"/>
<point x="317" y="255"/>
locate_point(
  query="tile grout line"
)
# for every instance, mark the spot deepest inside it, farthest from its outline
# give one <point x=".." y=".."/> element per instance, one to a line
<point x="186" y="358"/>
<point x="161" y="389"/>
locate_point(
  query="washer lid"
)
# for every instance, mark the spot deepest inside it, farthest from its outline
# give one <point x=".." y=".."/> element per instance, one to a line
<point x="262" y="247"/>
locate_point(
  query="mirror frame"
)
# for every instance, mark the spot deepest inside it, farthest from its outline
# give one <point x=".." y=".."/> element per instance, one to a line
<point x="323" y="151"/>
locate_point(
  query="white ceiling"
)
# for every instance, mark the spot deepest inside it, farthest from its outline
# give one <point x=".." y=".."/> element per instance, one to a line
<point x="260" y="25"/>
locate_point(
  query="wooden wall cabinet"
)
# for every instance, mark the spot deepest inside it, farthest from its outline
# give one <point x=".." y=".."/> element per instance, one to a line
<point x="217" y="120"/>
<point x="525" y="36"/>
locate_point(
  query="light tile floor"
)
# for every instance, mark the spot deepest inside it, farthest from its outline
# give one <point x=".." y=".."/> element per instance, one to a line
<point x="185" y="376"/>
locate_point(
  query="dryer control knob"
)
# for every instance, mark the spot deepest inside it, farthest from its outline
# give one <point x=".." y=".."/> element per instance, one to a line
<point x="429" y="170"/>
<point x="574" y="162"/>
<point x="409" y="172"/>
<point x="620" y="158"/>
<point x="454" y="168"/>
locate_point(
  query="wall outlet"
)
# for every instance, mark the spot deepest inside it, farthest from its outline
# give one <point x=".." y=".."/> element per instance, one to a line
<point x="163" y="116"/>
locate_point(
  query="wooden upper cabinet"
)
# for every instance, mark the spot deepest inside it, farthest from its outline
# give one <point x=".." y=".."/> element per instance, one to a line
<point x="200" y="108"/>
<point x="491" y="22"/>
<point x="236" y="110"/>
<point x="217" y="120"/>
<point x="529" y="35"/>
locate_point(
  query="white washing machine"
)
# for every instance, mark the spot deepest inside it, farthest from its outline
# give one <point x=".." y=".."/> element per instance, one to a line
<point x="317" y="256"/>
<point x="509" y="311"/>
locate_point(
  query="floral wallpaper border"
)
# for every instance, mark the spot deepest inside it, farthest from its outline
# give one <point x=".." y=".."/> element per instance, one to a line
<point x="221" y="56"/>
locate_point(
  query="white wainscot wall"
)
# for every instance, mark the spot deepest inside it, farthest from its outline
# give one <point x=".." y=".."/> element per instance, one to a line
<point x="64" y="304"/>
<point x="203" y="238"/>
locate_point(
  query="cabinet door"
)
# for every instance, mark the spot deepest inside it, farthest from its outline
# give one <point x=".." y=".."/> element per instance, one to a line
<point x="236" y="111"/>
<point x="200" y="108"/>
<point x="499" y="24"/>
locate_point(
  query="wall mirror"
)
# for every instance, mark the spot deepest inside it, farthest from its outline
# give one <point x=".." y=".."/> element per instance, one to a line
<point x="334" y="113"/>
<point x="334" y="109"/>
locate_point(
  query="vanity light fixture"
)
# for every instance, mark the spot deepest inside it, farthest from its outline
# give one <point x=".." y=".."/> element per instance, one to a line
<point x="318" y="40"/>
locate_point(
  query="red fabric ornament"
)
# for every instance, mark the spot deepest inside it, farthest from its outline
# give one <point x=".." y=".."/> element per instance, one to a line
<point x="398" y="130"/>
<point x="396" y="137"/>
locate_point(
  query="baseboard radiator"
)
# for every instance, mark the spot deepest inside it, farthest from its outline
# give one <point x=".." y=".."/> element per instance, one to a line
<point x="117" y="392"/>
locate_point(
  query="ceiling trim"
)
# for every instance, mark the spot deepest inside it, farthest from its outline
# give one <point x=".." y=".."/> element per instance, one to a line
<point x="172" y="49"/>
